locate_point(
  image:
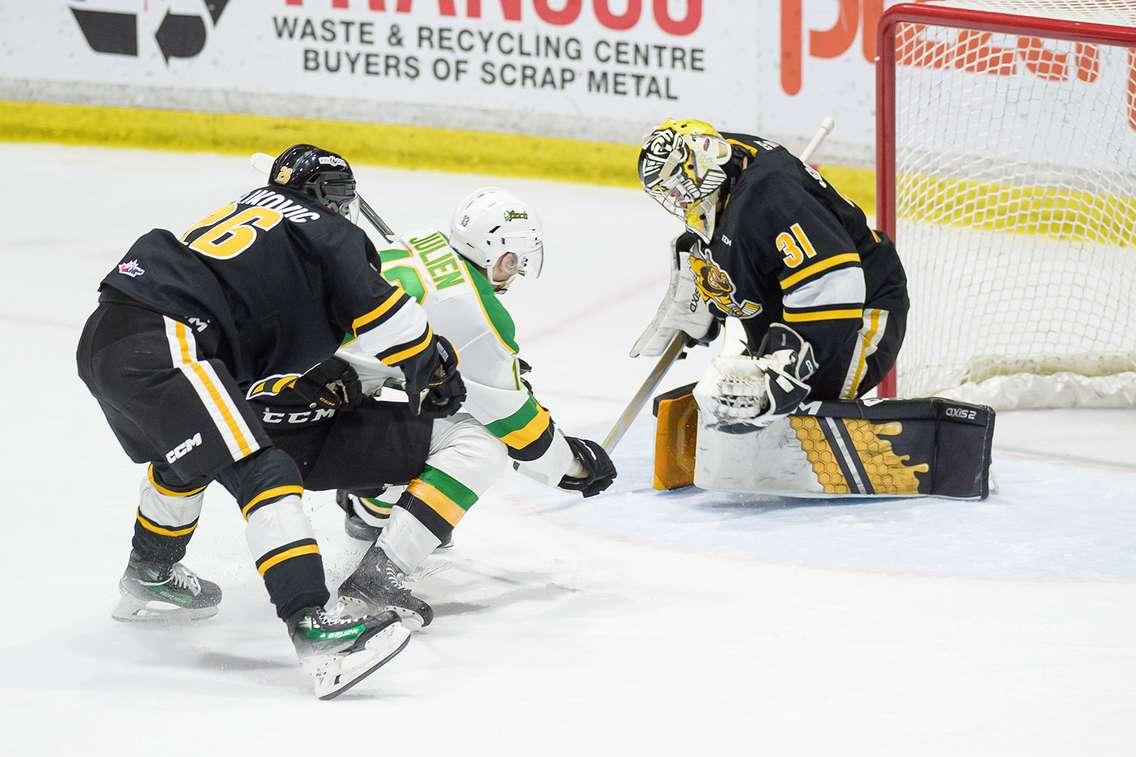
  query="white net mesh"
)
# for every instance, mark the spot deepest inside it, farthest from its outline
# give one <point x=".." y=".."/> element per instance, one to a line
<point x="1015" y="189"/>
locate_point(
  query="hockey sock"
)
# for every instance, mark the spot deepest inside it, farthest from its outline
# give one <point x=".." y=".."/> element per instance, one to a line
<point x="167" y="517"/>
<point x="280" y="538"/>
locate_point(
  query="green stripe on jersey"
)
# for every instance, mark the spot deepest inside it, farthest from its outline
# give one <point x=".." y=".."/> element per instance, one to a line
<point x="459" y="493"/>
<point x="516" y="421"/>
<point x="499" y="317"/>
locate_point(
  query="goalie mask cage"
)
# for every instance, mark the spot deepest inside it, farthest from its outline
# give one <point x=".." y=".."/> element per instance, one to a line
<point x="1006" y="168"/>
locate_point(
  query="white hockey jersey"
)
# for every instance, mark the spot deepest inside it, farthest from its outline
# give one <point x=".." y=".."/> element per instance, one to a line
<point x="460" y="305"/>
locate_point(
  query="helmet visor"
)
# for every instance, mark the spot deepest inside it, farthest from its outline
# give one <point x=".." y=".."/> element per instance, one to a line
<point x="528" y="251"/>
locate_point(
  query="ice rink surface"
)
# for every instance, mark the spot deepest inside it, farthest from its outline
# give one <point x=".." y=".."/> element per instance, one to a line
<point x="631" y="623"/>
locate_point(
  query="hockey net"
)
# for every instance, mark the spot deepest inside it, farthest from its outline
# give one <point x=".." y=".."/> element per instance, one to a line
<point x="1007" y="177"/>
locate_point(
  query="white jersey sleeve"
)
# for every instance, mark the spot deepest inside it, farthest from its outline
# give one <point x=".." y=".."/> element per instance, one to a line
<point x="460" y="305"/>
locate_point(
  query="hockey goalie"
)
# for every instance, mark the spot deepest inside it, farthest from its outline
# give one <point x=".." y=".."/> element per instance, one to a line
<point x="821" y="299"/>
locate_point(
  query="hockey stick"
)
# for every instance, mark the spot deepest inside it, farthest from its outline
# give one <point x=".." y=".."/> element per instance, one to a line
<point x="675" y="348"/>
<point x="263" y="163"/>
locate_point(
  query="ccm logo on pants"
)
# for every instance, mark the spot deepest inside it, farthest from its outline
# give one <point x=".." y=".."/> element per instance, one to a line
<point x="184" y="448"/>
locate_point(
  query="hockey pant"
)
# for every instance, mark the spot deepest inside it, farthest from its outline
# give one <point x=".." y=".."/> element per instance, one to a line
<point x="173" y="405"/>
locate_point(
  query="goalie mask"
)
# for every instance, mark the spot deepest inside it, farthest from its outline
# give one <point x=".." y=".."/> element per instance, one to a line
<point x="499" y="233"/>
<point x="681" y="167"/>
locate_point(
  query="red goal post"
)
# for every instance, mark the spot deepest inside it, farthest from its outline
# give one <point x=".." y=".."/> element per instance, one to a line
<point x="974" y="27"/>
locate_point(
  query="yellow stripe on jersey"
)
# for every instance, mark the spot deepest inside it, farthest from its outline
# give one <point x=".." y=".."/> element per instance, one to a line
<point x="378" y="312"/>
<point x="306" y="549"/>
<point x="450" y="511"/>
<point x="823" y="315"/>
<point x="819" y="267"/>
<point x="411" y="351"/>
<point x="530" y="432"/>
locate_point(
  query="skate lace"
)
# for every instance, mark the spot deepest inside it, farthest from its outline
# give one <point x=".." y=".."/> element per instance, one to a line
<point x="183" y="578"/>
<point x="395" y="577"/>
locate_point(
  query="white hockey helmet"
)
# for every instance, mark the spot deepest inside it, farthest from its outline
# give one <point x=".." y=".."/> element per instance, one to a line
<point x="500" y="233"/>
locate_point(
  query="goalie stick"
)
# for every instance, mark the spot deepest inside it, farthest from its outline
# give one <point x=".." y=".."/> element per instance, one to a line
<point x="675" y="348"/>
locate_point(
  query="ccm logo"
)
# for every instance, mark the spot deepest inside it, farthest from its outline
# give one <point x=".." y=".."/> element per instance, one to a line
<point x="962" y="412"/>
<point x="184" y="448"/>
<point x="299" y="418"/>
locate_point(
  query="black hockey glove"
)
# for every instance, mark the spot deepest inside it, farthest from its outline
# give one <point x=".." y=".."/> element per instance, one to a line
<point x="434" y="388"/>
<point x="600" y="469"/>
<point x="331" y="384"/>
<point x="787" y="361"/>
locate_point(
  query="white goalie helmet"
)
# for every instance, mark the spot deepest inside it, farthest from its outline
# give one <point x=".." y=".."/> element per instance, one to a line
<point x="498" y="232"/>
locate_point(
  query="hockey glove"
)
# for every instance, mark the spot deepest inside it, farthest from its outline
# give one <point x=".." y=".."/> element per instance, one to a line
<point x="599" y="471"/>
<point x="332" y="384"/>
<point x="434" y="388"/>
<point x="682" y="309"/>
<point x="788" y="362"/>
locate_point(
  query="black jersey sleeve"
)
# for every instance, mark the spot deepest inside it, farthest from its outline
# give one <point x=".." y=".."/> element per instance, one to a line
<point x="810" y="263"/>
<point x="366" y="307"/>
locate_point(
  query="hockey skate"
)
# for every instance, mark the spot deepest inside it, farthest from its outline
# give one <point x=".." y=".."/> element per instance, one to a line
<point x="339" y="651"/>
<point x="378" y="584"/>
<point x="155" y="591"/>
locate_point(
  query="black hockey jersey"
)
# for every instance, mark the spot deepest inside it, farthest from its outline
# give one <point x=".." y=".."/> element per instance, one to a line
<point x="789" y="248"/>
<point x="271" y="284"/>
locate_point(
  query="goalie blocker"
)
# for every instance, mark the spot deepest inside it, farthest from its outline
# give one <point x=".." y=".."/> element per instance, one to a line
<point x="870" y="448"/>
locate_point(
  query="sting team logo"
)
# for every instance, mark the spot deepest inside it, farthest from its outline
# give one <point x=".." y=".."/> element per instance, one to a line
<point x="715" y="286"/>
<point x="179" y="35"/>
<point x="131" y="268"/>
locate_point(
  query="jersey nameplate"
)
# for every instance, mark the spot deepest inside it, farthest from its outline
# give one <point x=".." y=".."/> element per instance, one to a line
<point x="439" y="259"/>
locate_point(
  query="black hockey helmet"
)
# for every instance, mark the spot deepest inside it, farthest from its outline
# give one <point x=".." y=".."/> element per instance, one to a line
<point x="322" y="175"/>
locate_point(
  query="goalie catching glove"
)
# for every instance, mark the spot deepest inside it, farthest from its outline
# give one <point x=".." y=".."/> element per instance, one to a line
<point x="682" y="309"/>
<point x="595" y="469"/>
<point x="759" y="389"/>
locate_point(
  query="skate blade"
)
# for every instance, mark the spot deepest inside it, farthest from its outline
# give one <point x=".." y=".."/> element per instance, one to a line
<point x="335" y="674"/>
<point x="133" y="610"/>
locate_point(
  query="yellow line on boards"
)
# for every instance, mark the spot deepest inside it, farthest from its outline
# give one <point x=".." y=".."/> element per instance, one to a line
<point x="393" y="145"/>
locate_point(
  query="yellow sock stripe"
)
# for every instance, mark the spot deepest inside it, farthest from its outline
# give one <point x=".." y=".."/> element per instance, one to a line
<point x="823" y="315"/>
<point x="394" y="298"/>
<point x="819" y="267"/>
<point x="307" y="549"/>
<point x="276" y="491"/>
<point x="531" y="431"/>
<point x="411" y="351"/>
<point x="155" y="528"/>
<point x="169" y="492"/>
<point x="450" y="511"/>
<point x="862" y="359"/>
<point x="376" y="506"/>
<point x="214" y="393"/>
